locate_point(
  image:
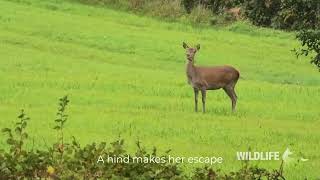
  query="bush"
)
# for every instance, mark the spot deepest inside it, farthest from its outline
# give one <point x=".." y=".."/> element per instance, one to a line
<point x="72" y="161"/>
<point x="281" y="14"/>
<point x="216" y="6"/>
<point x="284" y="14"/>
<point x="188" y="5"/>
<point x="170" y="9"/>
<point x="298" y="14"/>
<point x="261" y="12"/>
<point x="200" y="15"/>
<point x="310" y="44"/>
<point x="247" y="172"/>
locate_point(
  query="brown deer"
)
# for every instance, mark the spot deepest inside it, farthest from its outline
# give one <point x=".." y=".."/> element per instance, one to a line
<point x="210" y="78"/>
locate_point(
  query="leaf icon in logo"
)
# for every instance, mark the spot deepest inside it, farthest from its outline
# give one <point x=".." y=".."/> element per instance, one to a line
<point x="286" y="154"/>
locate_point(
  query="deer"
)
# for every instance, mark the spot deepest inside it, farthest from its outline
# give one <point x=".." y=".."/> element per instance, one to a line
<point x="210" y="78"/>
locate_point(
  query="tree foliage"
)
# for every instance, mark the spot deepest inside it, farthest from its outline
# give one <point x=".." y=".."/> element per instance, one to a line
<point x="280" y="14"/>
<point x="284" y="14"/>
<point x="310" y="45"/>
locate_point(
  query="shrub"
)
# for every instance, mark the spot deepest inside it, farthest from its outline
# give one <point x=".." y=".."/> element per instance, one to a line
<point x="284" y="14"/>
<point x="298" y="14"/>
<point x="310" y="44"/>
<point x="200" y="15"/>
<point x="247" y="172"/>
<point x="216" y="6"/>
<point x="101" y="2"/>
<point x="136" y="4"/>
<point x="261" y="12"/>
<point x="70" y="160"/>
<point x="170" y="9"/>
<point x="188" y="5"/>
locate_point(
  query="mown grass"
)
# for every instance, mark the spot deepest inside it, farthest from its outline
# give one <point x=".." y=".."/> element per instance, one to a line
<point x="125" y="76"/>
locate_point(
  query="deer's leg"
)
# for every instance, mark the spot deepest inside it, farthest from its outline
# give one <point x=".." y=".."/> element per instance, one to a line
<point x="231" y="93"/>
<point x="203" y="93"/>
<point x="196" y="92"/>
<point x="235" y="98"/>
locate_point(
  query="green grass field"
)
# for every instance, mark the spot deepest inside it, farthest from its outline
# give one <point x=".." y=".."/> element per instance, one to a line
<point x="125" y="75"/>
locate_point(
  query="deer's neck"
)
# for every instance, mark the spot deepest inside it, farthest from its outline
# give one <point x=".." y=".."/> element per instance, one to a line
<point x="191" y="70"/>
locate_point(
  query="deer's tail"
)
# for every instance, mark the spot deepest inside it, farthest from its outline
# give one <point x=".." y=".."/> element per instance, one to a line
<point x="240" y="76"/>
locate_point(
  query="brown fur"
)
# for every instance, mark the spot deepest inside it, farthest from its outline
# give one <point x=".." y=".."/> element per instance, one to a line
<point x="235" y="12"/>
<point x="210" y="78"/>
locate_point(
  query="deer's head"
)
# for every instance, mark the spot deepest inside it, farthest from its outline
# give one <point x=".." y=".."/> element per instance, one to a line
<point x="190" y="51"/>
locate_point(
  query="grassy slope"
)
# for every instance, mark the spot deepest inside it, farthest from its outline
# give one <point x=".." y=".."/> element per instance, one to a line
<point x="125" y="75"/>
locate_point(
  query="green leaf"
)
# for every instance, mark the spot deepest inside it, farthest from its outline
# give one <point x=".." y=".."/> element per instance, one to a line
<point x="57" y="127"/>
<point x="6" y="130"/>
<point x="18" y="130"/>
<point x="24" y="124"/>
<point x="11" y="141"/>
<point x="24" y="135"/>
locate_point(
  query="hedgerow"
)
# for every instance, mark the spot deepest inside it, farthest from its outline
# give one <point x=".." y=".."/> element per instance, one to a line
<point x="280" y="14"/>
<point x="72" y="161"/>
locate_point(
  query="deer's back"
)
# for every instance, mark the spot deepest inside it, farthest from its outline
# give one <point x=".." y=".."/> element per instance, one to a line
<point x="218" y="76"/>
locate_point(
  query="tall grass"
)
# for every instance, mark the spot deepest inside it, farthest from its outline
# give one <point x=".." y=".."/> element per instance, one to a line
<point x="171" y="10"/>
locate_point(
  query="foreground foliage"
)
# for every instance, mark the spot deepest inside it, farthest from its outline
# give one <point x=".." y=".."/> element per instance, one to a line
<point x="66" y="160"/>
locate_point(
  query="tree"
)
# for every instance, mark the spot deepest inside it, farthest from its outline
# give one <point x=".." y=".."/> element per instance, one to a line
<point x="310" y="45"/>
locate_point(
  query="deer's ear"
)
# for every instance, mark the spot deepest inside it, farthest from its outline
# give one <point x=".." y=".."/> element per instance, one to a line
<point x="198" y="47"/>
<point x="185" y="45"/>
